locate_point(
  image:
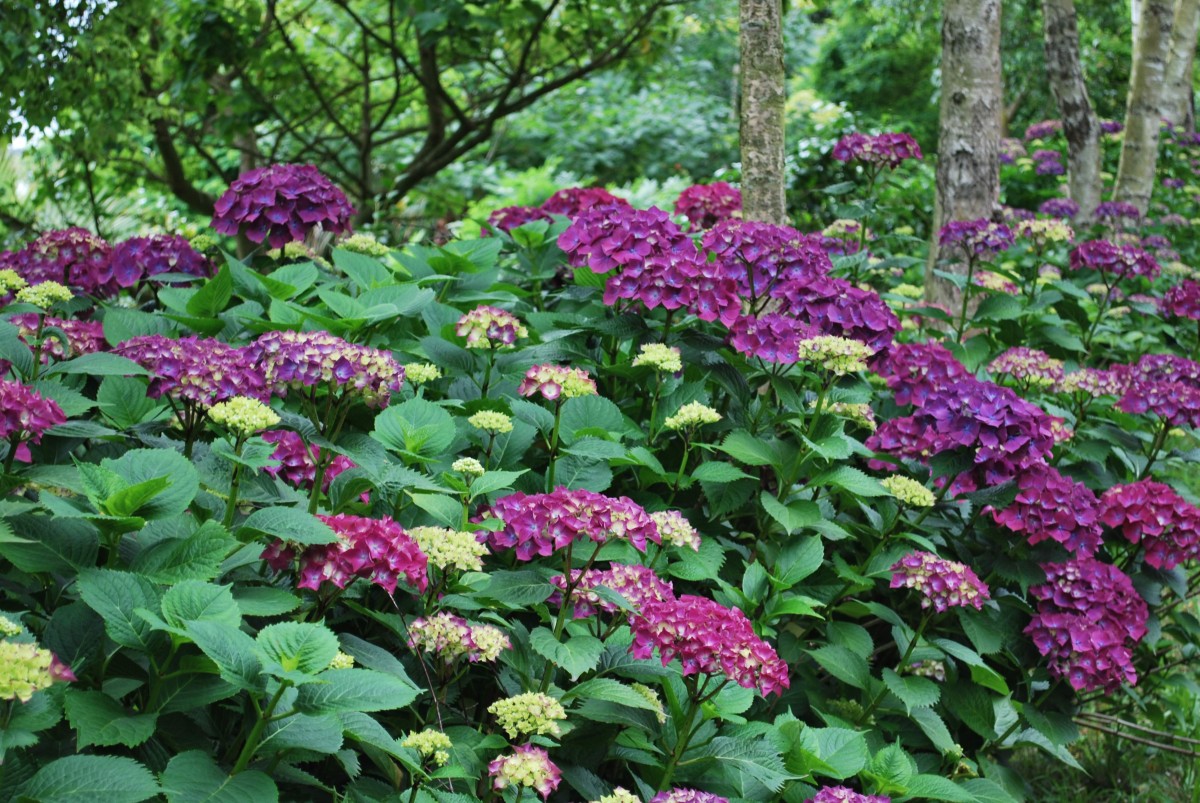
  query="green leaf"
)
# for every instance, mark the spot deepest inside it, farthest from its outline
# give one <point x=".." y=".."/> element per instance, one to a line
<point x="935" y="728"/>
<point x="319" y="734"/>
<point x="843" y="664"/>
<point x="850" y="479"/>
<point x="265" y="601"/>
<point x="197" y="556"/>
<point x="231" y="650"/>
<point x="139" y="465"/>
<point x="589" y="413"/>
<point x="793" y="517"/>
<point x="194" y="777"/>
<point x="754" y="763"/>
<point x="752" y="451"/>
<point x="984" y="790"/>
<point x="366" y="272"/>
<point x="417" y="428"/>
<point x="892" y="765"/>
<point x="15" y="350"/>
<point x="87" y="779"/>
<point x="198" y="601"/>
<point x="354" y="690"/>
<point x="492" y="481"/>
<point x="914" y="692"/>
<point x="935" y="787"/>
<point x="127" y="501"/>
<point x="717" y="471"/>
<point x="296" y="647"/>
<point x="289" y="524"/>
<point x="575" y="654"/>
<point x="999" y="308"/>
<point x="101" y="721"/>
<point x="213" y="297"/>
<point x="799" y="559"/>
<point x="609" y="690"/>
<point x="518" y="589"/>
<point x="115" y="595"/>
<point x="100" y="363"/>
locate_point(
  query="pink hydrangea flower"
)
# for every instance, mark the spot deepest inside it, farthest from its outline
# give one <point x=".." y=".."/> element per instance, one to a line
<point x="556" y="381"/>
<point x="842" y="794"/>
<point x="74" y="257"/>
<point x="573" y="201"/>
<point x="526" y="766"/>
<point x="638" y="584"/>
<point x="883" y="150"/>
<point x="281" y="204"/>
<point x="200" y="371"/>
<point x="25" y="415"/>
<point x="298" y="461"/>
<point x="1153" y="515"/>
<point x="1118" y="261"/>
<point x="542" y="524"/>
<point x="489" y="327"/>
<point x="706" y="205"/>
<point x="1050" y="506"/>
<point x="294" y="360"/>
<point x="944" y="583"/>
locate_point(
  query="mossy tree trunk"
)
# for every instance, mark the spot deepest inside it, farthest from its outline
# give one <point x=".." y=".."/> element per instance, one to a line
<point x="1179" y="104"/>
<point x="763" y="96"/>
<point x="1144" y="105"/>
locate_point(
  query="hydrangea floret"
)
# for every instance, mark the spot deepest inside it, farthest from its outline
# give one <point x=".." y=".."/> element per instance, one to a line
<point x="676" y="530"/>
<point x="280" y="204"/>
<point x="140" y="258"/>
<point x="541" y="524"/>
<point x="976" y="237"/>
<point x="944" y="584"/>
<point x="619" y="795"/>
<point x="837" y="355"/>
<point x="488" y="327"/>
<point x="73" y="257"/>
<point x="692" y="414"/>
<point x="378" y="550"/>
<point x="683" y="794"/>
<point x="527" y="767"/>
<point x="1044" y="232"/>
<point x="421" y="373"/>
<point x="1118" y="261"/>
<point x="451" y="637"/>
<point x="433" y="745"/>
<point x="26" y="668"/>
<point x="880" y="150"/>
<point x="199" y="371"/>
<point x="341" y="660"/>
<point x="1063" y="208"/>
<point x="297" y="461"/>
<point x="660" y="357"/>
<point x="243" y="415"/>
<point x="44" y="294"/>
<point x="708" y="639"/>
<point x="573" y="201"/>
<point x="842" y="794"/>
<point x="468" y="466"/>
<point x="1153" y="515"/>
<point x="295" y="360"/>
<point x="1182" y="300"/>
<point x="529" y="714"/>
<point x="11" y="281"/>
<point x="450" y="549"/>
<point x="636" y="583"/>
<point x="908" y="491"/>
<point x="25" y="415"/>
<point x="1033" y="367"/>
<point x="492" y="422"/>
<point x="556" y="382"/>
<point x="860" y="413"/>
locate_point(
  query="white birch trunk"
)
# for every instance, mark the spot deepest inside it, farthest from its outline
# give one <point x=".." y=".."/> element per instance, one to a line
<point x="1144" y="107"/>
<point x="763" y="97"/>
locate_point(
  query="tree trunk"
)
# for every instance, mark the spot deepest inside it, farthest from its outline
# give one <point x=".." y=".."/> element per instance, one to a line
<point x="1080" y="124"/>
<point x="1143" y="109"/>
<point x="763" y="96"/>
<point x="1178" y="105"/>
<point x="968" y="169"/>
<point x="1135" y="17"/>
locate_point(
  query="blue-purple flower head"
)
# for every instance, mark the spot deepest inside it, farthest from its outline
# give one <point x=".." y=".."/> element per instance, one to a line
<point x="1011" y="150"/>
<point x="706" y="205"/>
<point x="199" y="371"/>
<point x="573" y="201"/>
<point x="73" y="257"/>
<point x="882" y="150"/>
<point x="1043" y="130"/>
<point x="141" y="258"/>
<point x="281" y="204"/>
<point x="757" y="255"/>
<point x="1117" y="210"/>
<point x="1048" y="163"/>
<point x="1059" y="207"/>
<point x="1118" y="261"/>
<point x="605" y="237"/>
<point x="295" y="360"/>
<point x="977" y="237"/>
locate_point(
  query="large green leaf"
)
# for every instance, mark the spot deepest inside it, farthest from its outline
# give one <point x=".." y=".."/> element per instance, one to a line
<point x="289" y="524"/>
<point x="354" y="690"/>
<point x="575" y="654"/>
<point x="194" y="777"/>
<point x="288" y="648"/>
<point x="139" y="465"/>
<point x="102" y="721"/>
<point x="914" y="692"/>
<point x="196" y="556"/>
<point x="198" y="601"/>
<point x="417" y="427"/>
<point x="88" y="779"/>
<point x="231" y="650"/>
<point x="116" y="595"/>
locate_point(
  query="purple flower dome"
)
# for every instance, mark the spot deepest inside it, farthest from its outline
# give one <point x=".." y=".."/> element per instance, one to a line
<point x="298" y="461"/>
<point x="1117" y="210"/>
<point x="24" y="414"/>
<point x="1173" y="183"/>
<point x="297" y="360"/>
<point x="842" y="794"/>
<point x="681" y="794"/>
<point x="194" y="370"/>
<point x="573" y="201"/>
<point x="1176" y="403"/>
<point x="1118" y="261"/>
<point x="706" y="205"/>
<point x="1153" y="515"/>
<point x="1050" y="506"/>
<point x="1111" y="126"/>
<point x="881" y="150"/>
<point x="511" y="217"/>
<point x="1011" y="150"/>
<point x="606" y="237"/>
<point x="541" y="524"/>
<point x="1165" y="368"/>
<point x="1050" y="167"/>
<point x="74" y="257"/>
<point x="140" y="258"/>
<point x="281" y="204"/>
<point x="636" y="583"/>
<point x="1043" y="130"/>
<point x="833" y="306"/>
<point x="771" y="337"/>
<point x="978" y="237"/>
<point x="944" y="583"/>
<point x="1059" y="207"/>
<point x="1182" y="300"/>
<point x="915" y="370"/>
<point x="83" y="337"/>
<point x="757" y="255"/>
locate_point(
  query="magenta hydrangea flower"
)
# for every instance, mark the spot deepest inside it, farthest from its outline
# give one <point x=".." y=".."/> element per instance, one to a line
<point x="1165" y="368"/>
<point x="976" y="237"/>
<point x="556" y="381"/>
<point x="638" y="584"/>
<point x="83" y="337"/>
<point x="683" y="794"/>
<point x="1176" y="403"/>
<point x="1111" y="126"/>
<point x="74" y="257"/>
<point x="1048" y="163"/>
<point x="1043" y="130"/>
<point x="377" y="550"/>
<point x="194" y="370"/>
<point x="510" y="217"/>
<point x="771" y="337"/>
<point x="708" y="639"/>
<point x="298" y="461"/>
<point x="676" y="279"/>
<point x="281" y="204"/>
<point x="706" y="205"/>
<point x="943" y="583"/>
<point x="914" y="370"/>
<point x="1173" y="183"/>
<point x="573" y="201"/>
<point x="294" y="360"/>
<point x="1118" y="261"/>
<point x="880" y="150"/>
<point x="25" y="415"/>
<point x="1050" y="506"/>
<point x="1182" y="300"/>
<point x="842" y="794"/>
<point x="1153" y="515"/>
<point x="1088" y="618"/>
<point x="758" y="255"/>
<point x="1011" y="150"/>
<point x="1059" y="207"/>
<point x="833" y="306"/>
<point x="1117" y="210"/>
<point x="1096" y="382"/>
<point x="489" y="327"/>
<point x="606" y="237"/>
<point x="541" y="524"/>
<point x="1029" y="365"/>
<point x="526" y="766"/>
<point x="141" y="258"/>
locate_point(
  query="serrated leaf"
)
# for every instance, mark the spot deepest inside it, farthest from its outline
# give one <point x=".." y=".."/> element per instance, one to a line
<point x="717" y="471"/>
<point x="518" y="589"/>
<point x="212" y="298"/>
<point x="302" y="647"/>
<point x="850" y="479"/>
<point x="799" y="559"/>
<point x="843" y="664"/>
<point x="139" y="465"/>
<point x="753" y="762"/>
<point x="194" y="777"/>
<point x="231" y="650"/>
<point x="935" y="787"/>
<point x="589" y="412"/>
<point x="609" y="690"/>
<point x="198" y="601"/>
<point x="417" y="428"/>
<point x="197" y="556"/>
<point x="102" y="721"/>
<point x="100" y="363"/>
<point x="354" y="690"/>
<point x="87" y="779"/>
<point x="575" y="654"/>
<point x="115" y="595"/>
<point x="913" y="691"/>
<point x="746" y="448"/>
<point x="289" y="524"/>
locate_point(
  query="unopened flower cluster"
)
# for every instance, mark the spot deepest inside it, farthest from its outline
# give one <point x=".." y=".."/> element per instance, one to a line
<point x="556" y="381"/>
<point x="1088" y="618"/>
<point x="859" y="413"/>
<point x="908" y="491"/>
<point x="708" y="639"/>
<point x="526" y="767"/>
<point x="377" y="550"/>
<point x="692" y="414"/>
<point x="490" y="327"/>
<point x="201" y="371"/>
<point x="364" y="244"/>
<point x="706" y="205"/>
<point x="421" y="373"/>
<point x="243" y="415"/>
<point x="491" y="421"/>
<point x="541" y="524"/>
<point x="1031" y="366"/>
<point x="294" y="360"/>
<point x="433" y="745"/>
<point x="529" y="714"/>
<point x="675" y="530"/>
<point x="660" y="357"/>
<point x="281" y="203"/>
<point x="26" y="668"/>
<point x="1153" y="515"/>
<point x="468" y="466"/>
<point x="837" y="355"/>
<point x="1050" y="506"/>
<point x="449" y="549"/>
<point x="944" y="584"/>
<point x="451" y="637"/>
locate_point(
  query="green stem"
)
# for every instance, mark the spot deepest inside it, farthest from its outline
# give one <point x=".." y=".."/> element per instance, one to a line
<point x="487" y="374"/>
<point x="1104" y="302"/>
<point x="252" y="740"/>
<point x="314" y="495"/>
<point x="912" y="645"/>
<point x="1160" y="438"/>
<point x="962" y="315"/>
<point x="687" y="451"/>
<point x="683" y="735"/>
<point x="234" y="482"/>
<point x="560" y="622"/>
<point x="554" y="446"/>
<point x="812" y="424"/>
<point x="13" y="443"/>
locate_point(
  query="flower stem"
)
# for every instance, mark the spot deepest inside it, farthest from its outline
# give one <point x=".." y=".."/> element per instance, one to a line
<point x="912" y="645"/>
<point x="554" y="446"/>
<point x="234" y="482"/>
<point x="253" y="739"/>
<point x="962" y="315"/>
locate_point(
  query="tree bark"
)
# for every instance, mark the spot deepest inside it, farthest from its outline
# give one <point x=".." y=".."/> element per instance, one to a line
<point x="1178" y="105"/>
<point x="1080" y="124"/>
<point x="1143" y="109"/>
<point x="763" y="98"/>
<point x="968" y="169"/>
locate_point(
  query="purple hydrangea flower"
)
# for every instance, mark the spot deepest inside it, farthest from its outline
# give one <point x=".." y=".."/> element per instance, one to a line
<point x="1011" y="150"/>
<point x="638" y="584"/>
<point x="978" y="237"/>
<point x="1118" y="261"/>
<point x="511" y="217"/>
<point x="1182" y="300"/>
<point x="914" y="370"/>
<point x="944" y="583"/>
<point x="758" y="255"/>
<point x="298" y="461"/>
<point x="1043" y="130"/>
<point x="842" y="794"/>
<point x="1111" y="126"/>
<point x="1059" y="207"/>
<point x="1117" y="210"/>
<point x="1028" y="365"/>
<point x="881" y="150"/>
<point x="706" y="205"/>
<point x="24" y="414"/>
<point x="83" y="337"/>
<point x="772" y="337"/>
<point x="682" y="794"/>
<point x="574" y="201"/>
<point x="1050" y="506"/>
<point x="1153" y="515"/>
<point x="541" y="524"/>
<point x="194" y="370"/>
<point x="304" y="359"/>
<point x="74" y="257"/>
<point x="606" y="237"/>
<point x="140" y="258"/>
<point x="833" y="306"/>
<point x="281" y="204"/>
